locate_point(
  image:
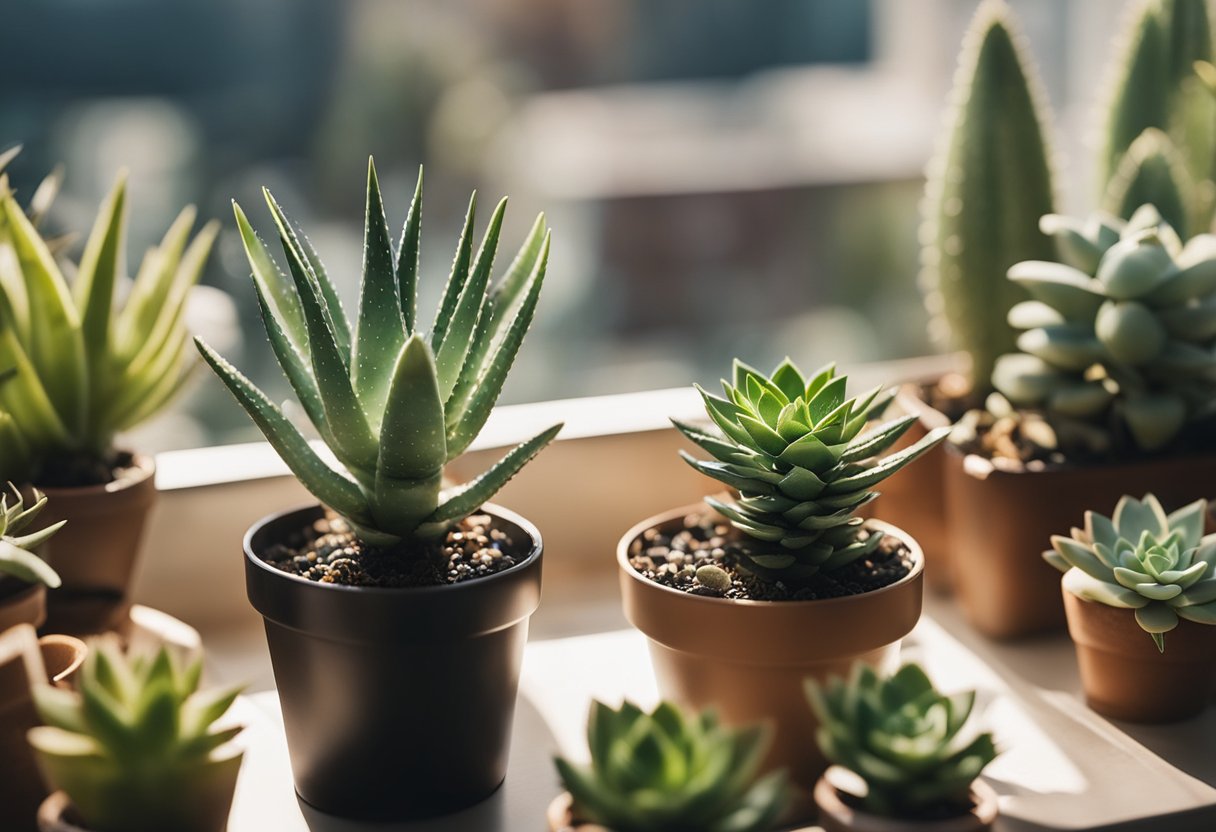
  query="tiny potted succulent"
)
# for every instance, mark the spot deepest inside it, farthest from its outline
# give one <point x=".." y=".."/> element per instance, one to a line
<point x="665" y="771"/>
<point x="137" y="748"/>
<point x="906" y="744"/>
<point x="81" y="370"/>
<point x="1114" y="386"/>
<point x="24" y="576"/>
<point x="1140" y="593"/>
<point x="397" y="610"/>
<point x="719" y="591"/>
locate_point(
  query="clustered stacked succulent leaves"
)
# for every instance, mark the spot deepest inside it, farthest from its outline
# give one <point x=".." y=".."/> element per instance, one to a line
<point x="137" y="747"/>
<point x="75" y="369"/>
<point x="667" y="772"/>
<point x="902" y="737"/>
<point x="1162" y="566"/>
<point x="17" y="557"/>
<point x="393" y="403"/>
<point x="1118" y="338"/>
<point x="800" y="456"/>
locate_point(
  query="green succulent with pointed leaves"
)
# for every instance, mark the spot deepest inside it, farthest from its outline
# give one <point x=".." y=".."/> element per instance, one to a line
<point x="17" y="557"/>
<point x="79" y="368"/>
<point x="902" y="737"/>
<point x="1161" y="565"/>
<point x="1121" y="333"/>
<point x="137" y="747"/>
<point x="665" y="771"/>
<point x="393" y="402"/>
<point x="799" y="454"/>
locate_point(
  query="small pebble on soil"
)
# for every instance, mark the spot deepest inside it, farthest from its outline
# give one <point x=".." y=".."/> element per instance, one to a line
<point x="704" y="558"/>
<point x="329" y="552"/>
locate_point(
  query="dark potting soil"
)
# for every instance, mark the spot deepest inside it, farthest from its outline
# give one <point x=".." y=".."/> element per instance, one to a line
<point x="83" y="471"/>
<point x="329" y="552"/>
<point x="705" y="540"/>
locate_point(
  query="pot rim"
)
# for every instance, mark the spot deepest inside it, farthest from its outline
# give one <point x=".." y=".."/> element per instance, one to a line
<point x="980" y="467"/>
<point x="622" y="556"/>
<point x="143" y="466"/>
<point x="985" y="810"/>
<point x="906" y="396"/>
<point x="492" y="509"/>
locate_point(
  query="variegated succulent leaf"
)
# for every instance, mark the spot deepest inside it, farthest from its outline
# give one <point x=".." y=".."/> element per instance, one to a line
<point x="667" y="770"/>
<point x="803" y="457"/>
<point x="394" y="404"/>
<point x="910" y="743"/>
<point x="1160" y="565"/>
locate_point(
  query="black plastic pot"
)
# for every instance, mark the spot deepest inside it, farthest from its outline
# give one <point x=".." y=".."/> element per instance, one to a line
<point x="397" y="703"/>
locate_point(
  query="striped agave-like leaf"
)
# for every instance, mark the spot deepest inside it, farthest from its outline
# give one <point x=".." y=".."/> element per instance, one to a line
<point x="75" y="367"/>
<point x="799" y="454"/>
<point x="394" y="403"/>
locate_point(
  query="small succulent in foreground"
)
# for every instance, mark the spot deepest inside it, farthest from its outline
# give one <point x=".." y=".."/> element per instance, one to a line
<point x="667" y="772"/>
<point x="902" y="737"/>
<point x="1121" y="333"/>
<point x="16" y="550"/>
<point x="137" y="748"/>
<point x="798" y="453"/>
<point x="1162" y="566"/>
<point x="80" y="369"/>
<point x="392" y="403"/>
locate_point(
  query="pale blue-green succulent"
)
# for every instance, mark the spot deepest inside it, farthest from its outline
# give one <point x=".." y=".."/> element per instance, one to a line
<point x="1161" y="565"/>
<point x="17" y="556"/>
<point x="1122" y="333"/>
<point x="902" y="737"/>
<point x="664" y="771"/>
<point x="393" y="402"/>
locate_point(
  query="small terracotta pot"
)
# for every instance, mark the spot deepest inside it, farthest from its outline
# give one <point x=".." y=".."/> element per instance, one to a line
<point x="561" y="818"/>
<point x="21" y="603"/>
<point x="749" y="659"/>
<point x="835" y="815"/>
<point x="21" y="789"/>
<point x="95" y="553"/>
<point x="1126" y="677"/>
<point x="1002" y="520"/>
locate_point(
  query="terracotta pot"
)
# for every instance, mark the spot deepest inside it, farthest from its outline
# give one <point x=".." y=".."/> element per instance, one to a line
<point x="561" y="818"/>
<point x="95" y="552"/>
<point x="21" y="789"/>
<point x="397" y="703"/>
<point x="1002" y="520"/>
<point x="914" y="498"/>
<point x="836" y="815"/>
<point x="1126" y="677"/>
<point x="749" y="659"/>
<point x="21" y="603"/>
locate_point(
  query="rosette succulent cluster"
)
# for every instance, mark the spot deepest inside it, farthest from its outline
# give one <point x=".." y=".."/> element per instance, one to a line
<point x="137" y="747"/>
<point x="799" y="453"/>
<point x="1160" y="565"/>
<point x="17" y="557"/>
<point x="902" y="737"/>
<point x="1122" y="333"/>
<point x="664" y="771"/>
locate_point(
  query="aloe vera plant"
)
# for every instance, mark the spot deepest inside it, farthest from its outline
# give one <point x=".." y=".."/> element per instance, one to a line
<point x="393" y="402"/>
<point x="1140" y="558"/>
<point x="665" y="771"/>
<point x="798" y="452"/>
<point x="17" y="556"/>
<point x="78" y="368"/>
<point x="987" y="187"/>
<point x="137" y="747"/>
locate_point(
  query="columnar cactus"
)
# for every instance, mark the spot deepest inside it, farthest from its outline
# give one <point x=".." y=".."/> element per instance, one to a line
<point x="667" y="772"/>
<point x="796" y="451"/>
<point x="17" y="557"/>
<point x="1162" y="566"/>
<point x="987" y="187"/>
<point x="902" y="737"/>
<point x="1121" y="334"/>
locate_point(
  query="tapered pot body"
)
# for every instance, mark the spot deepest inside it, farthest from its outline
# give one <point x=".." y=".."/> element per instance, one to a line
<point x="21" y="789"/>
<point x="836" y="815"/>
<point x="1126" y="677"/>
<point x="749" y="659"/>
<point x="397" y="703"/>
<point x="96" y="552"/>
<point x="21" y="603"/>
<point x="1002" y="520"/>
